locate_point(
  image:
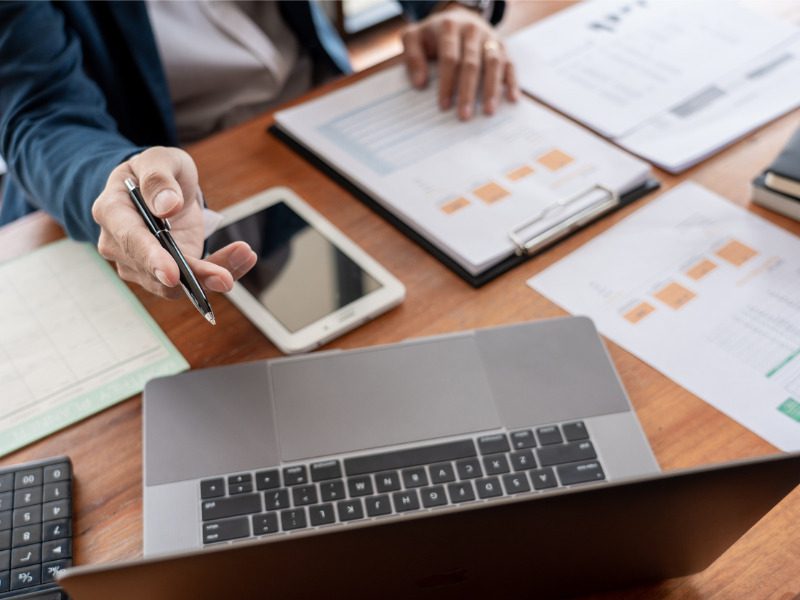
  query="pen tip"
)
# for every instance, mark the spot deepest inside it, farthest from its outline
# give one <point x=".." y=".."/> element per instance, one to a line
<point x="210" y="318"/>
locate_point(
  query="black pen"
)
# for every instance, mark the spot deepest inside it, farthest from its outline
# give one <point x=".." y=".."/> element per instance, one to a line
<point x="160" y="228"/>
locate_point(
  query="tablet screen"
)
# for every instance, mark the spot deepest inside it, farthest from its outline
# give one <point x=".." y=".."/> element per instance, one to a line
<point x="300" y="275"/>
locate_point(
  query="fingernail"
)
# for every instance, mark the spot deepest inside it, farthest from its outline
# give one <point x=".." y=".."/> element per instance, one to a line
<point x="162" y="277"/>
<point x="466" y="112"/>
<point x="215" y="284"/>
<point x="240" y="257"/>
<point x="419" y="79"/>
<point x="491" y="106"/>
<point x="165" y="201"/>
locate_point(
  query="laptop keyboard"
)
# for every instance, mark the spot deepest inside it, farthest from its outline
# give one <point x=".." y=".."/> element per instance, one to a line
<point x="314" y="494"/>
<point x="35" y="528"/>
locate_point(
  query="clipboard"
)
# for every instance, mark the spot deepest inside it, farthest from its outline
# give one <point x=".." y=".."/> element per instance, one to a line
<point x="525" y="247"/>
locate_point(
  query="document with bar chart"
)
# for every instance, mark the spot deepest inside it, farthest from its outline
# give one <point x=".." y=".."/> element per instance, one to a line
<point x="464" y="186"/>
<point x="705" y="292"/>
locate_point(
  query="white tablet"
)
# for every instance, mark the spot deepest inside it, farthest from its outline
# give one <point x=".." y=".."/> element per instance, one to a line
<point x="311" y="283"/>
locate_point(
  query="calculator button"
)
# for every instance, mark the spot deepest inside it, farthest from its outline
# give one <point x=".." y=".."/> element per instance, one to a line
<point x="56" y="529"/>
<point x="27" y="478"/>
<point x="26" y="556"/>
<point x="51" y="569"/>
<point x="23" y="536"/>
<point x="55" y="473"/>
<point x="56" y="549"/>
<point x="25" y="577"/>
<point x="55" y="510"/>
<point x="6" y="482"/>
<point x="5" y="501"/>
<point x="27" y="497"/>
<point x="27" y="516"/>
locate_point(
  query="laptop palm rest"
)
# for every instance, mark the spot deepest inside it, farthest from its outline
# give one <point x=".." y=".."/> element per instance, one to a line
<point x="260" y="414"/>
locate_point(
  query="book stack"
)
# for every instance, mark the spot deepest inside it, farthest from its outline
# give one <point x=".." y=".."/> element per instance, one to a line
<point x="778" y="188"/>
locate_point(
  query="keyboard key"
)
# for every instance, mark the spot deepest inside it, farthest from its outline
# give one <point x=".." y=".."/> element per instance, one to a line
<point x="469" y="468"/>
<point x="268" y="480"/>
<point x="265" y="524"/>
<point x="322" y="514"/>
<point x="378" y="505"/>
<point x="27" y="497"/>
<point x="304" y="494"/>
<point x="415" y="477"/>
<point x="549" y="435"/>
<point x="59" y="472"/>
<point x="405" y="501"/>
<point x="6" y="482"/>
<point x="293" y="519"/>
<point x="27" y="516"/>
<point x="491" y="444"/>
<point x="461" y="492"/>
<point x="330" y="469"/>
<point x="331" y="491"/>
<point x="241" y="478"/>
<point x="295" y="475"/>
<point x="523" y="439"/>
<point x="489" y="487"/>
<point x="359" y="486"/>
<point x="55" y="510"/>
<point x="433" y="496"/>
<point x="543" y="479"/>
<point x="413" y="457"/>
<point x="495" y="464"/>
<point x="26" y="556"/>
<point x="240" y="488"/>
<point x="230" y="507"/>
<point x="580" y="473"/>
<point x="566" y="453"/>
<point x="575" y="432"/>
<point x="523" y="460"/>
<point x="27" y="535"/>
<point x="51" y="569"/>
<point x="442" y="473"/>
<point x="229" y="529"/>
<point x="56" y="529"/>
<point x="516" y="483"/>
<point x="56" y="491"/>
<point x="25" y="577"/>
<point x="387" y="482"/>
<point x="56" y="550"/>
<point x="350" y="510"/>
<point x="212" y="488"/>
<point x="27" y="478"/>
<point x="276" y="499"/>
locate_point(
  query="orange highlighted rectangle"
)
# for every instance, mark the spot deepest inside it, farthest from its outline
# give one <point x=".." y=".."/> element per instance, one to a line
<point x="674" y="295"/>
<point x="520" y="172"/>
<point x="554" y="160"/>
<point x="701" y="269"/>
<point x="490" y="192"/>
<point x="736" y="253"/>
<point x="639" y="312"/>
<point x="454" y="205"/>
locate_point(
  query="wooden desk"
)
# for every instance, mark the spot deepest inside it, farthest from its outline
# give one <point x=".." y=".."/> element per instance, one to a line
<point x="684" y="431"/>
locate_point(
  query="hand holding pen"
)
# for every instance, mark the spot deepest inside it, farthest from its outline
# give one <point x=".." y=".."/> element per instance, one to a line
<point x="167" y="178"/>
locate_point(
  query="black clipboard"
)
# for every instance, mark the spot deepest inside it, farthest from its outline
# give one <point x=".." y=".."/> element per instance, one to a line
<point x="491" y="272"/>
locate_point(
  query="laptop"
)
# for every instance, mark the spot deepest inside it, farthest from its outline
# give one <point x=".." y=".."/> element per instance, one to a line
<point x="498" y="461"/>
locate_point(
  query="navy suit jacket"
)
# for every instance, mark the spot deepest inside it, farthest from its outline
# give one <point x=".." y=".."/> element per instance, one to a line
<point x="82" y="88"/>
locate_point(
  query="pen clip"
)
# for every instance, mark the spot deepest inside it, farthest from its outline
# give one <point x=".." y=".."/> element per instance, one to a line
<point x="530" y="245"/>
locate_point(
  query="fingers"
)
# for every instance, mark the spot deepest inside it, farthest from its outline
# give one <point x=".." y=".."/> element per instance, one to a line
<point x="219" y="270"/>
<point x="414" y="56"/>
<point x="494" y="68"/>
<point x="469" y="71"/>
<point x="167" y="177"/>
<point x="449" y="52"/>
<point x="148" y="283"/>
<point x="510" y="80"/>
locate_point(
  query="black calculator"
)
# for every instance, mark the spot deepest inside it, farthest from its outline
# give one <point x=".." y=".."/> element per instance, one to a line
<point x="35" y="528"/>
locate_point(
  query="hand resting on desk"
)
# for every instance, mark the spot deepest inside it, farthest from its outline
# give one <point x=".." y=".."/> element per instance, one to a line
<point x="169" y="184"/>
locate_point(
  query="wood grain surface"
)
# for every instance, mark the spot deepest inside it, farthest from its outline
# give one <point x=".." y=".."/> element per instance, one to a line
<point x="684" y="431"/>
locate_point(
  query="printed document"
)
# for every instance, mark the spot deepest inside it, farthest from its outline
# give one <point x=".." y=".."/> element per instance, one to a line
<point x="705" y="292"/>
<point x="463" y="185"/>
<point x="671" y="81"/>
<point x="75" y="340"/>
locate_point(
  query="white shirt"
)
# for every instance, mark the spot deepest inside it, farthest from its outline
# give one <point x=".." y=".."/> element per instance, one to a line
<point x="225" y="61"/>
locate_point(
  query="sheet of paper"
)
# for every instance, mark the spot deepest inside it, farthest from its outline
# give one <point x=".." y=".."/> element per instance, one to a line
<point x="705" y="292"/>
<point x="463" y="185"/>
<point x="671" y="81"/>
<point x="74" y="341"/>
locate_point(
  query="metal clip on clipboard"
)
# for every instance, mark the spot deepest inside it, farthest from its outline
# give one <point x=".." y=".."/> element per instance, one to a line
<point x="565" y="226"/>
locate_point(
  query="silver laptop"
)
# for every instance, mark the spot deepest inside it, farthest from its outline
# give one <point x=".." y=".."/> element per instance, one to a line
<point x="503" y="462"/>
<point x="276" y="447"/>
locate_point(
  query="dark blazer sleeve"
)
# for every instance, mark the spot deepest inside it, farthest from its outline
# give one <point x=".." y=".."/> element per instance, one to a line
<point x="419" y="9"/>
<point x="56" y="135"/>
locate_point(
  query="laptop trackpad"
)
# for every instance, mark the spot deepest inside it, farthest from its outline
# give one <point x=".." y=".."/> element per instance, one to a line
<point x="378" y="397"/>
